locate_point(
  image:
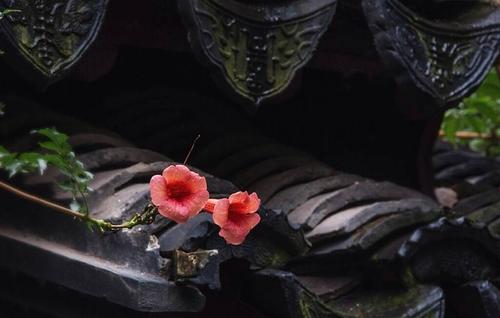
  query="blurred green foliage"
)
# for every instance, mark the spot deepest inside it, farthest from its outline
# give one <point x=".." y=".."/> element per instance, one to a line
<point x="476" y="122"/>
<point x="57" y="152"/>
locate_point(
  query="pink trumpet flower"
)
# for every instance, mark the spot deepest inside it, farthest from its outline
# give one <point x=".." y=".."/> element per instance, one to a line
<point x="236" y="215"/>
<point x="179" y="193"/>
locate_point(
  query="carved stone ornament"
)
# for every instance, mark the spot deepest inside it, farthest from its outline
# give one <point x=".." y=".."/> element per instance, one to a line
<point x="256" y="47"/>
<point x="445" y="58"/>
<point x="47" y="37"/>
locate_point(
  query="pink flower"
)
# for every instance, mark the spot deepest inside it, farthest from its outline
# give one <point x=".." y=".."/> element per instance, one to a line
<point x="236" y="216"/>
<point x="179" y="193"/>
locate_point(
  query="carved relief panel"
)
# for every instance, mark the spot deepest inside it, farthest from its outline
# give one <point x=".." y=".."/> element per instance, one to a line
<point x="445" y="57"/>
<point x="256" y="48"/>
<point x="47" y="37"/>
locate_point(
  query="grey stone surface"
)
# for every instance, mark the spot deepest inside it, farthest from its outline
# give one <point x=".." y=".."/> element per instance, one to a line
<point x="119" y="157"/>
<point x="246" y="157"/>
<point x="476" y="202"/>
<point x="417" y="301"/>
<point x="349" y="220"/>
<point x="76" y="269"/>
<point x="331" y="287"/>
<point x="292" y="197"/>
<point x="290" y="298"/>
<point x="468" y="169"/>
<point x="478" y="299"/>
<point x="260" y="170"/>
<point x="178" y="234"/>
<point x="452" y="157"/>
<point x="270" y="185"/>
<point x="371" y="233"/>
<point x="313" y="211"/>
<point x="491" y="178"/>
<point x="482" y="217"/>
<point x="124" y="203"/>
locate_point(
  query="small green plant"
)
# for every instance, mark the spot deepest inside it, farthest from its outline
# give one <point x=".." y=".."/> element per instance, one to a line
<point x="58" y="153"/>
<point x="476" y="122"/>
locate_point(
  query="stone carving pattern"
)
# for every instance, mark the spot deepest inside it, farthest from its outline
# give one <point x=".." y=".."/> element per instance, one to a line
<point x="52" y="34"/>
<point x="258" y="61"/>
<point x="446" y="63"/>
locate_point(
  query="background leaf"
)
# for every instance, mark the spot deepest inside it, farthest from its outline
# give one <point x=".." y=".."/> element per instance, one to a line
<point x="59" y="154"/>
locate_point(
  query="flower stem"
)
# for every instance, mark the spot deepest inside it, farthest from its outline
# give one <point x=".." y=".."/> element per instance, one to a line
<point x="35" y="199"/>
<point x="191" y="149"/>
<point x="147" y="216"/>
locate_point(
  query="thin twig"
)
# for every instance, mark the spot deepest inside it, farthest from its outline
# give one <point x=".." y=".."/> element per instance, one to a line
<point x="139" y="218"/>
<point x="468" y="135"/>
<point x="35" y="199"/>
<point x="191" y="149"/>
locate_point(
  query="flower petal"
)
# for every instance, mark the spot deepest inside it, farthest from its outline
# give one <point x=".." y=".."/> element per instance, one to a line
<point x="238" y="226"/>
<point x="174" y="211"/>
<point x="198" y="183"/>
<point x="176" y="174"/>
<point x="179" y="193"/>
<point x="196" y="202"/>
<point x="158" y="188"/>
<point x="182" y="211"/>
<point x="243" y="203"/>
<point x="221" y="212"/>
